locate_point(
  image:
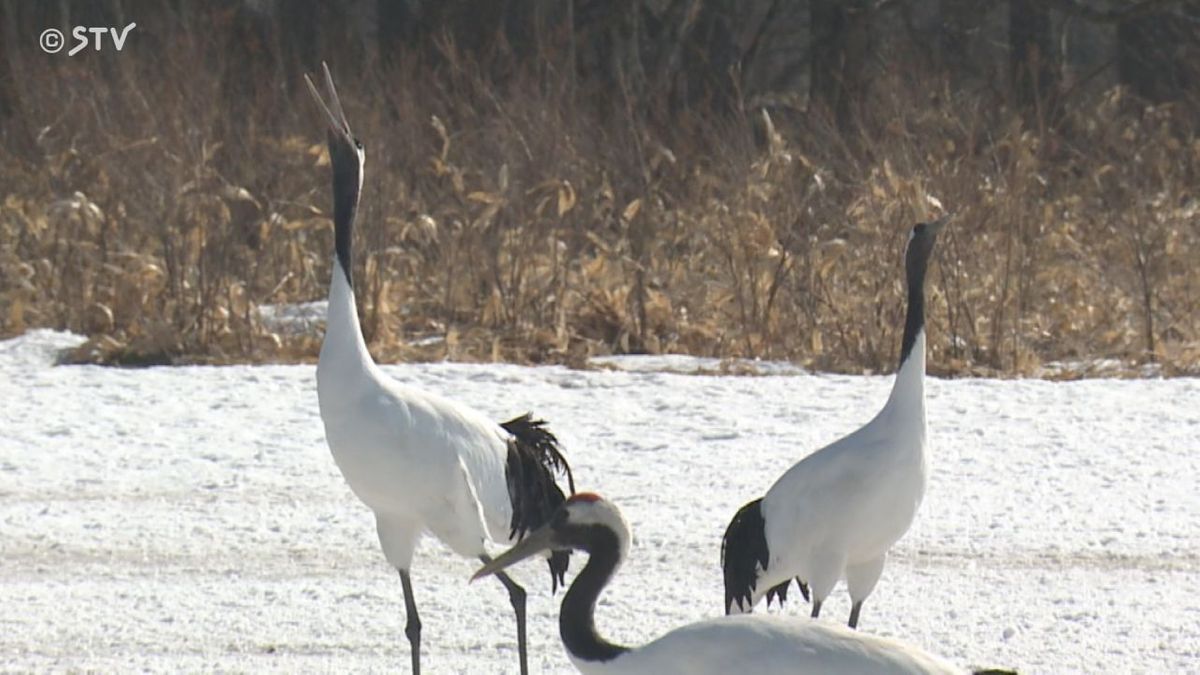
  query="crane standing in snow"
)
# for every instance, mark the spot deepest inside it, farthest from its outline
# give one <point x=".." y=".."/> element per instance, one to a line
<point x="763" y="645"/>
<point x="836" y="512"/>
<point x="420" y="461"/>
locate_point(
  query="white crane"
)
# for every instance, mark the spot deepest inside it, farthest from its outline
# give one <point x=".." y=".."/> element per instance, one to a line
<point x="422" y="462"/>
<point x="835" y="513"/>
<point x="758" y="644"/>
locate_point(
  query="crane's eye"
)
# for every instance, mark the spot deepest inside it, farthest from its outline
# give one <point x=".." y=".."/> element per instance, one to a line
<point x="358" y="144"/>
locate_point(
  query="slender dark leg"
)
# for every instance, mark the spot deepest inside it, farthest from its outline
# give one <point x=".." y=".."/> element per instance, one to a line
<point x="854" y="613"/>
<point x="816" y="608"/>
<point x="803" y="589"/>
<point x="413" y="627"/>
<point x="516" y="595"/>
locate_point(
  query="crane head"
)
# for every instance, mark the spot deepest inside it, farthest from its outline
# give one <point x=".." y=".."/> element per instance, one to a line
<point x="920" y="246"/>
<point x="584" y="522"/>
<point x="346" y="152"/>
<point x="922" y="235"/>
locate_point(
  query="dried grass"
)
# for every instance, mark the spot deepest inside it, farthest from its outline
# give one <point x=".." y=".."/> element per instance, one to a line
<point x="534" y="220"/>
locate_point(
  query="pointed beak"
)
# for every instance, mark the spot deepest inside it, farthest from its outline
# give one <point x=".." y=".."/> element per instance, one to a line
<point x="937" y="225"/>
<point x="541" y="539"/>
<point x="334" y="114"/>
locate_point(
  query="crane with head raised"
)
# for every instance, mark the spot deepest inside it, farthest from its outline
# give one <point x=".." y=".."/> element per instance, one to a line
<point x="422" y="462"/>
<point x="837" y="512"/>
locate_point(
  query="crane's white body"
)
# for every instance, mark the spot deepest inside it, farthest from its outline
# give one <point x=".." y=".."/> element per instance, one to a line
<point x="835" y="513"/>
<point x="421" y="462"/>
<point x="769" y="645"/>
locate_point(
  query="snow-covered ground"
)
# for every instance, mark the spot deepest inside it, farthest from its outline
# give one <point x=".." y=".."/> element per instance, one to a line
<point x="183" y="519"/>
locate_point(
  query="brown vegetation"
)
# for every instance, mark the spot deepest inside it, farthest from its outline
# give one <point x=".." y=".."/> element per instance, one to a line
<point x="535" y="217"/>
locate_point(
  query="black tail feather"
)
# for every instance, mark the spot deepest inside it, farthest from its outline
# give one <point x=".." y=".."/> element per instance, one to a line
<point x="743" y="553"/>
<point x="780" y="592"/>
<point x="559" y="560"/>
<point x="534" y="457"/>
<point x="534" y="435"/>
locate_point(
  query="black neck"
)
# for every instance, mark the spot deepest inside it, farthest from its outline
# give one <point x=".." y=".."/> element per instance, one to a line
<point x="345" y="203"/>
<point x="914" y="321"/>
<point x="576" y="618"/>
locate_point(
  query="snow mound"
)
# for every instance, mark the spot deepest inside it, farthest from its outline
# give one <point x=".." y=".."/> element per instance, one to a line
<point x="41" y="347"/>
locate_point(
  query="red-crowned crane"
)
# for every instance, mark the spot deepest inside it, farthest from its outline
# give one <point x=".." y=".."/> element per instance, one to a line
<point x="758" y="644"/>
<point x="836" y="512"/>
<point x="421" y="462"/>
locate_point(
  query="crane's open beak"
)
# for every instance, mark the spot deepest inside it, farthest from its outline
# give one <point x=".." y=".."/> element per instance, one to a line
<point x="541" y="539"/>
<point x="335" y="115"/>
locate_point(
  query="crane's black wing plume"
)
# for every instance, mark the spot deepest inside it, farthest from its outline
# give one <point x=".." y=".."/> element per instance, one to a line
<point x="743" y="553"/>
<point x="534" y="457"/>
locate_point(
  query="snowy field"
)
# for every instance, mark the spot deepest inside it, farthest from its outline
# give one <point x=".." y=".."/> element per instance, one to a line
<point x="192" y="519"/>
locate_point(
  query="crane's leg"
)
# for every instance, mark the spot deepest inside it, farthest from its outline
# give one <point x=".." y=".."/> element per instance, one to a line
<point x="860" y="581"/>
<point x="803" y="589"/>
<point x="854" y="610"/>
<point x="823" y="573"/>
<point x="516" y="595"/>
<point x="413" y="626"/>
